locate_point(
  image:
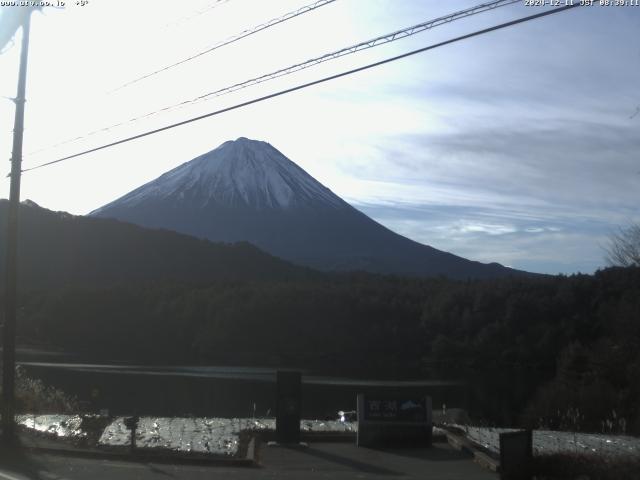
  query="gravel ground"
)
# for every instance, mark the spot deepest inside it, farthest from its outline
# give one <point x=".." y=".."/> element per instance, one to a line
<point x="203" y="435"/>
<point x="548" y="441"/>
<point x="64" y="426"/>
<point x="217" y="436"/>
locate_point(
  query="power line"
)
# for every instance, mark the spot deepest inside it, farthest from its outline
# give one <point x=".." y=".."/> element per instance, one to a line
<point x="380" y="40"/>
<point x="390" y="37"/>
<point x="310" y="84"/>
<point x="213" y="5"/>
<point x="244" y="34"/>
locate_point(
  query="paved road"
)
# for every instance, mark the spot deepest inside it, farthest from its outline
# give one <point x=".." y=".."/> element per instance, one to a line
<point x="319" y="461"/>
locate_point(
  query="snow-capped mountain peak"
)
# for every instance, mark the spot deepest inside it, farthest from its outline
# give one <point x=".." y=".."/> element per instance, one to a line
<point x="243" y="172"/>
<point x="247" y="191"/>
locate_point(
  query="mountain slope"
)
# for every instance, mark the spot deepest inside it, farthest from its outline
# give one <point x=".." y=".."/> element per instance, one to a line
<point x="246" y="190"/>
<point x="59" y="249"/>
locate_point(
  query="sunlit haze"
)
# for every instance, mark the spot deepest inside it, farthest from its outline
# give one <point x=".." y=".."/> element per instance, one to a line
<point x="519" y="146"/>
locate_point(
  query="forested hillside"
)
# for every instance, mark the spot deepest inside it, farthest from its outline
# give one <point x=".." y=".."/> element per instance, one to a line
<point x="570" y="340"/>
<point x="58" y="249"/>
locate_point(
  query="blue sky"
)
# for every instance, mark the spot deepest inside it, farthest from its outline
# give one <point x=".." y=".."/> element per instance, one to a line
<point x="520" y="146"/>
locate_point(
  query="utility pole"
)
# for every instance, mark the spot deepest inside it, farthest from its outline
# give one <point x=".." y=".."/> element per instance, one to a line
<point x="9" y="329"/>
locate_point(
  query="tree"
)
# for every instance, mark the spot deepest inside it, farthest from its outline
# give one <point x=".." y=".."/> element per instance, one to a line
<point x="623" y="249"/>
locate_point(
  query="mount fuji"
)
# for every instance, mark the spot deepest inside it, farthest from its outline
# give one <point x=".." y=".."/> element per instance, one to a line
<point x="246" y="190"/>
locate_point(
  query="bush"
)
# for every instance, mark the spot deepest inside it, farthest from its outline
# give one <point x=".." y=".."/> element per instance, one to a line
<point x="586" y="396"/>
<point x="33" y="396"/>
<point x="593" y="467"/>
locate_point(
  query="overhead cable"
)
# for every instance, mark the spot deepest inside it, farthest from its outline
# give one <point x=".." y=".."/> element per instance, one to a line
<point x="244" y="34"/>
<point x="197" y="13"/>
<point x="309" y="84"/>
<point x="380" y="40"/>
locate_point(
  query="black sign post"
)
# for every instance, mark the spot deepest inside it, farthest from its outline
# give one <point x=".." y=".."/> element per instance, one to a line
<point x="288" y="406"/>
<point x="394" y="421"/>
<point x="516" y="455"/>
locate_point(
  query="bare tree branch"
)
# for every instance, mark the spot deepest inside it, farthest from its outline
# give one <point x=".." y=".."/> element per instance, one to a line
<point x="623" y="249"/>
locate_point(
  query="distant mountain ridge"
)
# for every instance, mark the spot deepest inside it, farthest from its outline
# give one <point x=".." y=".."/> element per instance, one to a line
<point x="57" y="249"/>
<point x="246" y="190"/>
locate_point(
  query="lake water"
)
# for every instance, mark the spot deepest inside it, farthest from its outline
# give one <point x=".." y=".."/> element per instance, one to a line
<point x="221" y="391"/>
